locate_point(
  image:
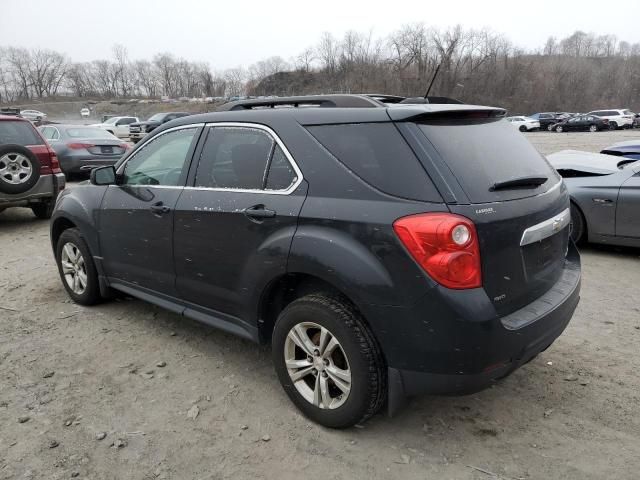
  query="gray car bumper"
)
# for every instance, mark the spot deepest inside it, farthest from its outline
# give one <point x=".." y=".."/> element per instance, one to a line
<point x="47" y="186"/>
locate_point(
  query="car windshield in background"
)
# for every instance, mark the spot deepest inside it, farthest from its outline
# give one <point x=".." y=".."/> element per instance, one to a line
<point x="157" y="117"/>
<point x="482" y="152"/>
<point x="20" y="133"/>
<point x="88" y="133"/>
<point x="111" y="121"/>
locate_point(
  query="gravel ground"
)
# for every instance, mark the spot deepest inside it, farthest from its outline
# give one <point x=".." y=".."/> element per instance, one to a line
<point x="125" y="390"/>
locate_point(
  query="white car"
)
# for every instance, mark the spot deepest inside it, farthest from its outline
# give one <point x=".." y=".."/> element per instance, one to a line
<point x="85" y="112"/>
<point x="33" y="115"/>
<point x="618" y="118"/>
<point x="118" y="126"/>
<point x="524" y="124"/>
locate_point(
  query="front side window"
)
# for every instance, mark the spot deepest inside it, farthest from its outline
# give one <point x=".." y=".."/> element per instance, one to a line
<point x="161" y="161"/>
<point x="234" y="157"/>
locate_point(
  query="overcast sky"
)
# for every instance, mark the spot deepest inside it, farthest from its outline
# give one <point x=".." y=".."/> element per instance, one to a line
<point x="234" y="32"/>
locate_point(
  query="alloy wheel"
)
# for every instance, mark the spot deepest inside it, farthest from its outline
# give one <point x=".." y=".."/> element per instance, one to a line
<point x="74" y="268"/>
<point x="317" y="365"/>
<point x="15" y="168"/>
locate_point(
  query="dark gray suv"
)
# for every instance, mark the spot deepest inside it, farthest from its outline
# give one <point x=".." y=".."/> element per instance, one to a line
<point x="384" y="251"/>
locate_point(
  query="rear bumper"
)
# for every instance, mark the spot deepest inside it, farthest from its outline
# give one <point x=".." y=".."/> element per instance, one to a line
<point x="86" y="164"/>
<point x="465" y="346"/>
<point x="47" y="186"/>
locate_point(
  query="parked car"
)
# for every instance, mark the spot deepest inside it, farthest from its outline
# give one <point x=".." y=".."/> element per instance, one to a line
<point x="82" y="148"/>
<point x="33" y="115"/>
<point x="524" y="124"/>
<point x="118" y="126"/>
<point x="549" y="119"/>
<point x="85" y="112"/>
<point x="376" y="267"/>
<point x="582" y="123"/>
<point x="138" y="130"/>
<point x="618" y="118"/>
<point x="628" y="148"/>
<point x="30" y="175"/>
<point x="605" y="196"/>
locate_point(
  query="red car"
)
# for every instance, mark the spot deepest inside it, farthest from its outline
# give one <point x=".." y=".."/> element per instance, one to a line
<point x="30" y="174"/>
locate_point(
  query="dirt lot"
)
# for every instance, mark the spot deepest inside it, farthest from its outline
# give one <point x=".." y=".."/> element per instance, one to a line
<point x="74" y="375"/>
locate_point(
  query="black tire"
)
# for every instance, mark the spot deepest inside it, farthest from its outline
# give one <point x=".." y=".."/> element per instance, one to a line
<point x="91" y="293"/>
<point x="593" y="128"/>
<point x="14" y="156"/>
<point x="559" y="129"/>
<point x="578" y="225"/>
<point x="361" y="351"/>
<point x="522" y="128"/>
<point x="44" y="209"/>
<point x="613" y="125"/>
<point x="550" y="127"/>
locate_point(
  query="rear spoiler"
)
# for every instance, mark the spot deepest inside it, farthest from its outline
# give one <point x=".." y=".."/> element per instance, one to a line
<point x="415" y="113"/>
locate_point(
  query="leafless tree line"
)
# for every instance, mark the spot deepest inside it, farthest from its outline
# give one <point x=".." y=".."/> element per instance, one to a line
<point x="576" y="73"/>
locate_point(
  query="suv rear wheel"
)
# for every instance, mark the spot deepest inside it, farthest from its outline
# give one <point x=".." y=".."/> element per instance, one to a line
<point x="76" y="268"/>
<point x="613" y="125"/>
<point x="328" y="361"/>
<point x="19" y="169"/>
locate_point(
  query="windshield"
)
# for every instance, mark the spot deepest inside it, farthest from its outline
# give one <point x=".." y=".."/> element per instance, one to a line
<point x="88" y="133"/>
<point x="157" y="117"/>
<point x="111" y="121"/>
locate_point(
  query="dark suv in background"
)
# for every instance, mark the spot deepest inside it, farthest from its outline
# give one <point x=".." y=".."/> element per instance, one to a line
<point x="384" y="251"/>
<point x="30" y="174"/>
<point x="138" y="130"/>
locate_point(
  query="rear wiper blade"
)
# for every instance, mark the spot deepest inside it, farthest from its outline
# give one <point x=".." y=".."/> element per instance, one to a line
<point x="532" y="181"/>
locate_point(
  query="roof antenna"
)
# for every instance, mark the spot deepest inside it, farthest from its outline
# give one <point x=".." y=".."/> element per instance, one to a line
<point x="433" y="79"/>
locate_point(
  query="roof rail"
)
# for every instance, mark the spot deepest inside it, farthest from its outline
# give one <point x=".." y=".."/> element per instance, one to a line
<point x="323" y="101"/>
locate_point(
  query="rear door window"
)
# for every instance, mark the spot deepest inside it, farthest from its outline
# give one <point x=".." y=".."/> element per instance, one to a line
<point x="379" y="155"/>
<point x="20" y="133"/>
<point x="482" y="152"/>
<point x="235" y="158"/>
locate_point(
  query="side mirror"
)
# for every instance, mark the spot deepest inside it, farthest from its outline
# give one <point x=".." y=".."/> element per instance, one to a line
<point x="103" y="176"/>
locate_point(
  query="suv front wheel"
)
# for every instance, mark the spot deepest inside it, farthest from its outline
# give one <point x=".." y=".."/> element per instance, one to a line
<point x="328" y="361"/>
<point x="77" y="270"/>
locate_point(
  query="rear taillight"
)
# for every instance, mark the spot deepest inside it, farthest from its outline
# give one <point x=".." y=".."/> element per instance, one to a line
<point x="53" y="158"/>
<point x="79" y="146"/>
<point x="126" y="146"/>
<point x="445" y="246"/>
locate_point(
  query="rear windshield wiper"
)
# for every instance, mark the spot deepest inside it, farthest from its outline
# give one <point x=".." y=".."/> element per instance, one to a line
<point x="533" y="181"/>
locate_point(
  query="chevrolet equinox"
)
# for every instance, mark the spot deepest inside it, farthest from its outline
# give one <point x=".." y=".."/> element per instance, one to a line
<point x="384" y="251"/>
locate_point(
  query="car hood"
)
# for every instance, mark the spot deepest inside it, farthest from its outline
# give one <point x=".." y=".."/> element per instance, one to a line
<point x="597" y="163"/>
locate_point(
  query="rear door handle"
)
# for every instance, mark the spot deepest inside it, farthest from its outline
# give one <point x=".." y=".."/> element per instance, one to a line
<point x="259" y="212"/>
<point x="158" y="208"/>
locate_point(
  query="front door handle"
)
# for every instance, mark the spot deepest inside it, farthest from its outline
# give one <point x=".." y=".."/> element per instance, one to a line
<point x="158" y="208"/>
<point x="258" y="212"/>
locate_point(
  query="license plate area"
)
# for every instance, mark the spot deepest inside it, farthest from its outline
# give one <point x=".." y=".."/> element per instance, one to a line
<point x="542" y="258"/>
<point x="106" y="149"/>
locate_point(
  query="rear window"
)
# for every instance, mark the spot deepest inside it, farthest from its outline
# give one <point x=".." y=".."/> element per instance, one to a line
<point x="21" y="133"/>
<point x="482" y="152"/>
<point x="89" y="133"/>
<point x="377" y="153"/>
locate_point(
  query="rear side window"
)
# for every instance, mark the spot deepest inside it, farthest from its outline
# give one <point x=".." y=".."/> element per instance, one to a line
<point x="482" y="152"/>
<point x="20" y="133"/>
<point x="243" y="158"/>
<point x="379" y="155"/>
